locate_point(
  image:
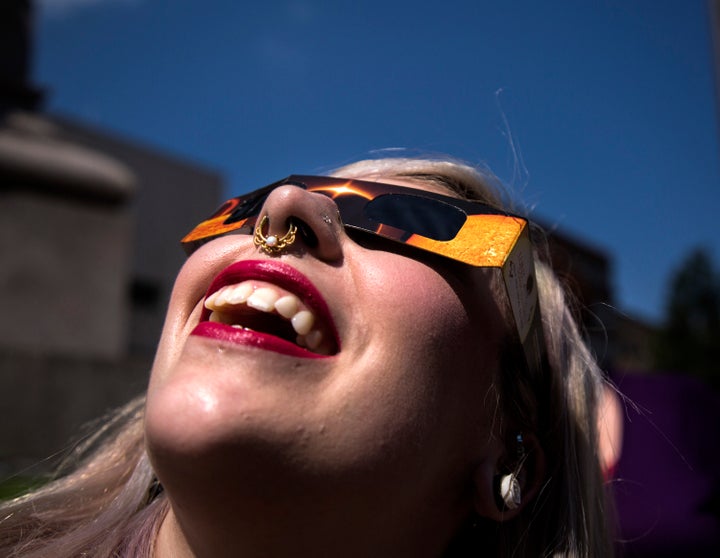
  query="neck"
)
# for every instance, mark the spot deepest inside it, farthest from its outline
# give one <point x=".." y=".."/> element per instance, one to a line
<point x="333" y="532"/>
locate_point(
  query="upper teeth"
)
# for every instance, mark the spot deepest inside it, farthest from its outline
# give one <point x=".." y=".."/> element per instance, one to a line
<point x="265" y="299"/>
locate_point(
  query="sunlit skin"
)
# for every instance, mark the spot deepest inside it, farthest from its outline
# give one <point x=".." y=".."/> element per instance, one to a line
<point x="383" y="449"/>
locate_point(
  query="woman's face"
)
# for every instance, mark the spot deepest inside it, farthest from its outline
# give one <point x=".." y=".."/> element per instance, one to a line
<point x="391" y="406"/>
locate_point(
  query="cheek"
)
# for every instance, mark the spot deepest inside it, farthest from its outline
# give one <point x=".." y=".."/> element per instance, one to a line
<point x="424" y="319"/>
<point x="428" y="357"/>
<point x="175" y="329"/>
<point x="185" y="304"/>
<point x="415" y="406"/>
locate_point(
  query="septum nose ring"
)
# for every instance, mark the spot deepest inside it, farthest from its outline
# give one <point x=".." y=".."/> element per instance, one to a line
<point x="272" y="244"/>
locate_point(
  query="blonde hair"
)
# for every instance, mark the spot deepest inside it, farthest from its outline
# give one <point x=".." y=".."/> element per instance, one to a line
<point x="106" y="506"/>
<point x="103" y="508"/>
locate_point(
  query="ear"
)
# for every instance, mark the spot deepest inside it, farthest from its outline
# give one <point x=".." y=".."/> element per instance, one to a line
<point x="528" y="466"/>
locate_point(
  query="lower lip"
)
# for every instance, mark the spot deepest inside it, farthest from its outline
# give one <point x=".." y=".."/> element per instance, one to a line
<point x="249" y="338"/>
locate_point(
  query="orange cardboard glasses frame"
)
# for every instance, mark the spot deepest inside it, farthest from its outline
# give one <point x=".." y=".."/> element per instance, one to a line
<point x="470" y="232"/>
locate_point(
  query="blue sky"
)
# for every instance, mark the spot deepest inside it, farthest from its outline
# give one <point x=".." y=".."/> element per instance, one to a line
<point x="600" y="115"/>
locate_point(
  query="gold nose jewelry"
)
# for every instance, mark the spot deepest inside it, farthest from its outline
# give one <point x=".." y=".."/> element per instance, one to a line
<point x="272" y="244"/>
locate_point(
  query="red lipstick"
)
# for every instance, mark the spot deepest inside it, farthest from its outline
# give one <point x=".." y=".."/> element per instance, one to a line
<point x="282" y="276"/>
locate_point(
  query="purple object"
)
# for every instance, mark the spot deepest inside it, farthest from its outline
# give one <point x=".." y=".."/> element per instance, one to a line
<point x="667" y="483"/>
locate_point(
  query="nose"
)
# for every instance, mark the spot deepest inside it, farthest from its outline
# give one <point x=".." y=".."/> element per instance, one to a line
<point x="319" y="228"/>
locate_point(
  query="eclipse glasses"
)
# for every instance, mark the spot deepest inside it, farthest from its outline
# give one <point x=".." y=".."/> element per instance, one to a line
<point x="469" y="232"/>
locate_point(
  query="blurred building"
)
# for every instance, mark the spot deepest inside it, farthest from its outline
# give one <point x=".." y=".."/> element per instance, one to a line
<point x="89" y="247"/>
<point x="619" y="341"/>
<point x="714" y="13"/>
<point x="586" y="272"/>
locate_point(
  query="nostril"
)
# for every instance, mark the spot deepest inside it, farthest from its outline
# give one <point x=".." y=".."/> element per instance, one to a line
<point x="306" y="233"/>
<point x="308" y="215"/>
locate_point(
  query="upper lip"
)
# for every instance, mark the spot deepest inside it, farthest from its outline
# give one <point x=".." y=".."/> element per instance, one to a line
<point x="282" y="275"/>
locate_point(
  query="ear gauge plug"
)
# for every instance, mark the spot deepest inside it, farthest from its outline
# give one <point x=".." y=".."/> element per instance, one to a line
<point x="510" y="492"/>
<point x="508" y="486"/>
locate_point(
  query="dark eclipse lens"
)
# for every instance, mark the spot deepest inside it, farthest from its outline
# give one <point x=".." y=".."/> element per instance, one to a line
<point x="414" y="214"/>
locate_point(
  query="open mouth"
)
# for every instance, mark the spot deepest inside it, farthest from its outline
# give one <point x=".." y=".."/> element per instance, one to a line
<point x="266" y="309"/>
<point x="269" y="305"/>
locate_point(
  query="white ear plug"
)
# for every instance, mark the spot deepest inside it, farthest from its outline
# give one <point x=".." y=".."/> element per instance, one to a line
<point x="510" y="491"/>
